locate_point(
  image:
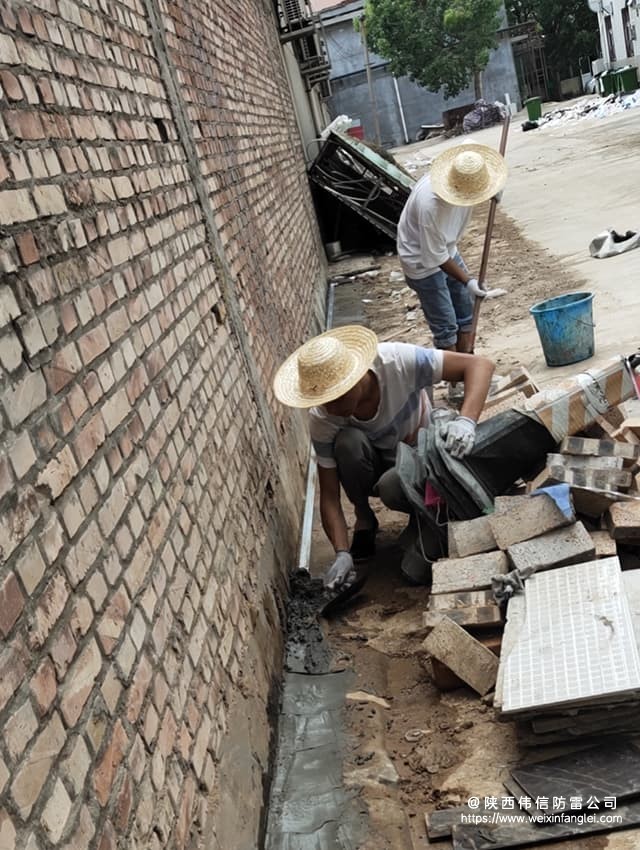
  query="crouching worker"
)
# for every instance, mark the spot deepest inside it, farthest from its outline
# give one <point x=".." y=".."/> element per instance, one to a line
<point x="364" y="398"/>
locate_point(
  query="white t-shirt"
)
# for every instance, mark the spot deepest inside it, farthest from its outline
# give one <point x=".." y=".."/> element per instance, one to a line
<point x="428" y="231"/>
<point x="405" y="374"/>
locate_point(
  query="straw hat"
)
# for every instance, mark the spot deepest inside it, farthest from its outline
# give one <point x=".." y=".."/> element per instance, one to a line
<point x="325" y="367"/>
<point x="468" y="174"/>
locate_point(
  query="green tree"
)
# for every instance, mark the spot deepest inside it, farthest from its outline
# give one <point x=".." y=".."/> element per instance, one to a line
<point x="438" y="43"/>
<point x="570" y="33"/>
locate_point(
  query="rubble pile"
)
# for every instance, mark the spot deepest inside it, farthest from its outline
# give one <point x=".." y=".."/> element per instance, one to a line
<point x="594" y="107"/>
<point x="537" y="609"/>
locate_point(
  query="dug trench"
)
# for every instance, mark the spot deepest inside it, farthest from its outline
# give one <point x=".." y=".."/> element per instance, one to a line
<point x="408" y="748"/>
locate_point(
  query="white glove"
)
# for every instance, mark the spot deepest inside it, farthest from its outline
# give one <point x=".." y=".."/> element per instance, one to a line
<point x="341" y="572"/>
<point x="459" y="436"/>
<point x="477" y="291"/>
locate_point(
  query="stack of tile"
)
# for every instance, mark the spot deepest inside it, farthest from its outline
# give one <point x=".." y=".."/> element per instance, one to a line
<point x="570" y="664"/>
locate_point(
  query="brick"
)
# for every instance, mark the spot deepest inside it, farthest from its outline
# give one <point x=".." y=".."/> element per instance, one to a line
<point x="623" y="521"/>
<point x="79" y="683"/>
<point x="108" y="765"/>
<point x="138" y="690"/>
<point x="84" y="832"/>
<point x="52" y="539"/>
<point x="452" y="575"/>
<point x="7" y="829"/>
<point x="573" y="461"/>
<point x="90" y="439"/>
<point x="76" y="766"/>
<point x="9" y="308"/>
<point x="11" y="86"/>
<point x="17" y="521"/>
<point x="93" y="343"/>
<point x="570" y="545"/>
<point x="27" y="248"/>
<point x="26" y="395"/>
<point x="59" y="473"/>
<point x="34" y="771"/>
<point x="56" y="812"/>
<point x="31" y="568"/>
<point x="11" y="603"/>
<point x="20" y="729"/>
<point x="464" y="655"/>
<point x="32" y="336"/>
<point x="605" y="545"/>
<point x="63" y="650"/>
<point x="518" y="518"/>
<point x="8" y="50"/>
<point x="112" y="623"/>
<point x="595" y="479"/>
<point x="115" y="410"/>
<point x="49" y="200"/>
<point x="113" y="508"/>
<point x="83" y="555"/>
<point x="470" y="537"/>
<point x="22" y="455"/>
<point x="599" y="448"/>
<point x="48" y="610"/>
<point x="10" y="351"/>
<point x="16" y="206"/>
<point x="44" y="687"/>
<point x="13" y="666"/>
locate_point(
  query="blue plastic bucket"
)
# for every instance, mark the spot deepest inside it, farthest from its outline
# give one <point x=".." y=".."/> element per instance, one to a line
<point x="565" y="327"/>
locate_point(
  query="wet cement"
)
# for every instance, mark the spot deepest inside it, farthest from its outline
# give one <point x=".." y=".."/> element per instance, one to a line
<point x="309" y="807"/>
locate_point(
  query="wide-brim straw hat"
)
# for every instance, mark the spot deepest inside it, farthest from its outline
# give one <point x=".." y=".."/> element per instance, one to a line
<point x="468" y="174"/>
<point x="326" y="367"/>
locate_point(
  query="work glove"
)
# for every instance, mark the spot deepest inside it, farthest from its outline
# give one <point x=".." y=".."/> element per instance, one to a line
<point x="474" y="288"/>
<point x="459" y="436"/>
<point x="341" y="573"/>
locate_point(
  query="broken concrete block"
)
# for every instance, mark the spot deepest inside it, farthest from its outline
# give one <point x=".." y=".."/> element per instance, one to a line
<point x="599" y="448"/>
<point x="605" y="544"/>
<point x="451" y="575"/>
<point x="470" y="537"/>
<point x="518" y="518"/>
<point x="472" y="610"/>
<point x="585" y="461"/>
<point x="464" y="655"/>
<point x="624" y="435"/>
<point x="623" y="521"/>
<point x="570" y="545"/>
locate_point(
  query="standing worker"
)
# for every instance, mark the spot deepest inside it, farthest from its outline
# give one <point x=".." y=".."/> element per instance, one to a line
<point x="364" y="398"/>
<point x="433" y="220"/>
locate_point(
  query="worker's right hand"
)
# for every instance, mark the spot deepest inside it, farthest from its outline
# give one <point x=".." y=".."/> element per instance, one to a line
<point x="341" y="573"/>
<point x="474" y="288"/>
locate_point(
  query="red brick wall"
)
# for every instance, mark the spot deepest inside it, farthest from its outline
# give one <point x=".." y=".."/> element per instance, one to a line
<point x="159" y="258"/>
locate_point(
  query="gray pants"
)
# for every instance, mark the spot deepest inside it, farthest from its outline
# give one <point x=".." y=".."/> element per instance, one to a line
<point x="365" y="471"/>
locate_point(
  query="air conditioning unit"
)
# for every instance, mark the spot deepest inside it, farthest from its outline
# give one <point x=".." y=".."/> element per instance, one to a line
<point x="296" y="19"/>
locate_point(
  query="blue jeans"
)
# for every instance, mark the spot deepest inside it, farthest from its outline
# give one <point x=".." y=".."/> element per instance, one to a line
<point x="446" y="304"/>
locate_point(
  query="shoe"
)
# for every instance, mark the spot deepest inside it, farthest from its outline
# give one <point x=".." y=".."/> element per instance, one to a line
<point x="415" y="568"/>
<point x="363" y="545"/>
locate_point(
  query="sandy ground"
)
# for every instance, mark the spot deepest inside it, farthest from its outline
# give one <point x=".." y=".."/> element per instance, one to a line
<point x="566" y="184"/>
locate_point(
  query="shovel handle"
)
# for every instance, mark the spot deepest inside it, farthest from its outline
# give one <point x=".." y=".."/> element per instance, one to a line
<point x="484" y="262"/>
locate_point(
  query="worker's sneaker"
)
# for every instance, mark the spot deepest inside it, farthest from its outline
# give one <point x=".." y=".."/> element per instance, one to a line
<point x="363" y="545"/>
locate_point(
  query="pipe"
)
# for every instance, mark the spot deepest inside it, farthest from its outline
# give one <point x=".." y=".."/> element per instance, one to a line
<point x="400" y="107"/>
<point x="304" y="556"/>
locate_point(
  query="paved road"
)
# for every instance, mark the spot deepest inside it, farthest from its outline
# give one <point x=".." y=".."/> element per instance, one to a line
<point x="566" y="184"/>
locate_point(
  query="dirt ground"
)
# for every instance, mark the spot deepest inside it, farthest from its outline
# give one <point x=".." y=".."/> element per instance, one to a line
<point x="425" y="749"/>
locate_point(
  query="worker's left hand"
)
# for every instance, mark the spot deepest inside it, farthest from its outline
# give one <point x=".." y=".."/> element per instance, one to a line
<point x="481" y="290"/>
<point x="459" y="436"/>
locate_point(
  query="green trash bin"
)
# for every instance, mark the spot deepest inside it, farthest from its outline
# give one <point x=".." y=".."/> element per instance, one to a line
<point x="628" y="79"/>
<point x="608" y="82"/>
<point x="534" y="108"/>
